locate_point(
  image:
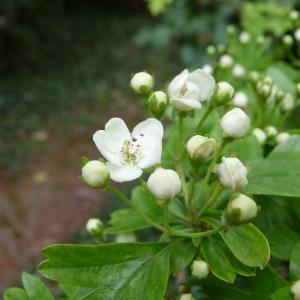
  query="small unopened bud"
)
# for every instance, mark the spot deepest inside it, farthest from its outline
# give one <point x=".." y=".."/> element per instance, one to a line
<point x="241" y="209"/>
<point x="264" y="89"/>
<point x="200" y="147"/>
<point x="240" y="99"/>
<point x="287" y="103"/>
<point x="297" y="35"/>
<point x="232" y="173"/>
<point x="128" y="237"/>
<point x="295" y="290"/>
<point x="221" y="48"/>
<point x="95" y="173"/>
<point x="164" y="184"/>
<point x="142" y="83"/>
<point x="235" y="123"/>
<point x="223" y="93"/>
<point x="268" y="80"/>
<point x="245" y="37"/>
<point x="254" y="77"/>
<point x="294" y="15"/>
<point x="226" y="61"/>
<point x="230" y="29"/>
<point x="95" y="228"/>
<point x="208" y="69"/>
<point x="271" y="131"/>
<point x="238" y="71"/>
<point x="158" y="103"/>
<point x="279" y="96"/>
<point x="260" y="135"/>
<point x="260" y="40"/>
<point x="211" y="50"/>
<point x="282" y="137"/>
<point x="287" y="40"/>
<point x="200" y="269"/>
<point x="186" y="296"/>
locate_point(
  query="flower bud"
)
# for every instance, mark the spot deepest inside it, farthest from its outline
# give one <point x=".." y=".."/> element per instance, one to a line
<point x="260" y="135"/>
<point x="295" y="290"/>
<point x="260" y="40"/>
<point x="221" y="48"/>
<point x="223" y="93"/>
<point x="245" y="37"/>
<point x="254" y="77"/>
<point x="208" y="69"/>
<point x="232" y="173"/>
<point x="268" y="80"/>
<point x="238" y="71"/>
<point x="240" y="99"/>
<point x="279" y="96"/>
<point x="264" y="89"/>
<point x="95" y="173"/>
<point x="128" y="237"/>
<point x="211" y="50"/>
<point x="200" y="269"/>
<point x="164" y="184"/>
<point x="282" y="137"/>
<point x="297" y="34"/>
<point x="142" y="83"/>
<point x="230" y="29"/>
<point x="271" y="131"/>
<point x="226" y="61"/>
<point x="287" y="103"/>
<point x="95" y="228"/>
<point x="186" y="296"/>
<point x="200" y="147"/>
<point x="158" y="103"/>
<point x="287" y="40"/>
<point x="235" y="123"/>
<point x="298" y="88"/>
<point x="242" y="209"/>
<point x="294" y="15"/>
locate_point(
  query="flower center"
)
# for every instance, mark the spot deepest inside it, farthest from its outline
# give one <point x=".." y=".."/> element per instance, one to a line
<point x="184" y="89"/>
<point x="131" y="150"/>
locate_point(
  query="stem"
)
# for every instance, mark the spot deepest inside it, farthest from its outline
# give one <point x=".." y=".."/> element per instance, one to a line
<point x="194" y="180"/>
<point x="195" y="234"/>
<point x="204" y="117"/>
<point x="181" y="146"/>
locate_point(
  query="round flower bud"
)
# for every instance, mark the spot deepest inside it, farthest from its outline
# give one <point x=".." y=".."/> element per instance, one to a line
<point x="271" y="131"/>
<point x="164" y="184"/>
<point x="245" y="37"/>
<point x="186" y="296"/>
<point x="282" y="137"/>
<point x="297" y="34"/>
<point x="240" y="99"/>
<point x="200" y="147"/>
<point x="226" y="61"/>
<point x="254" y="77"/>
<point x="223" y="93"/>
<point x="211" y="50"/>
<point x="232" y="174"/>
<point x="298" y="88"/>
<point x="235" y="123"/>
<point x="279" y="96"/>
<point x="238" y="71"/>
<point x="200" y="269"/>
<point x="260" y="135"/>
<point x="158" y="103"/>
<point x="294" y="15"/>
<point x="95" y="173"/>
<point x="241" y="209"/>
<point x="295" y="290"/>
<point x="94" y="227"/>
<point x="230" y="29"/>
<point x="268" y="80"/>
<point x="208" y="69"/>
<point x="260" y="40"/>
<point x="221" y="48"/>
<point x="264" y="89"/>
<point x="287" y="103"/>
<point x="287" y="40"/>
<point x="128" y="237"/>
<point x="142" y="83"/>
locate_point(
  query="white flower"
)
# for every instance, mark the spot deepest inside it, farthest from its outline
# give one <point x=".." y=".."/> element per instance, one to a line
<point x="186" y="296"/>
<point x="226" y="61"/>
<point x="200" y="147"/>
<point x="240" y="99"/>
<point x="282" y="137"/>
<point x="294" y="15"/>
<point x="235" y="123"/>
<point x="287" y="104"/>
<point x="164" y="184"/>
<point x="94" y="227"/>
<point x="297" y="34"/>
<point x="232" y="174"/>
<point x="238" y="71"/>
<point x="224" y="93"/>
<point x="271" y="131"/>
<point x="208" y="69"/>
<point x="95" y="173"/>
<point x="142" y="83"/>
<point x="260" y="135"/>
<point x="128" y="237"/>
<point x="240" y="210"/>
<point x="295" y="290"/>
<point x="245" y="37"/>
<point x="128" y="154"/>
<point x="200" y="269"/>
<point x="188" y="90"/>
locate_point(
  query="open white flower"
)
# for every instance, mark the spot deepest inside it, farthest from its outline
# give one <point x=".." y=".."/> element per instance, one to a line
<point x="188" y="90"/>
<point x="128" y="153"/>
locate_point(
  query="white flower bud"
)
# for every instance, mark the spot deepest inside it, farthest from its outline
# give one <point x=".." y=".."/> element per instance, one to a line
<point x="208" y="69"/>
<point x="200" y="147"/>
<point x="287" y="40"/>
<point x="238" y="71"/>
<point x="241" y="209"/>
<point x="94" y="227"/>
<point x="226" y="61"/>
<point x="271" y="131"/>
<point x="240" y="99"/>
<point x="294" y="15"/>
<point x="232" y="174"/>
<point x="128" y="237"/>
<point x="297" y="34"/>
<point x="264" y="89"/>
<point x="282" y="137"/>
<point x="260" y="135"/>
<point x="95" y="173"/>
<point x="279" y="96"/>
<point x="142" y="83"/>
<point x="223" y="94"/>
<point x="211" y="50"/>
<point x="186" y="296"/>
<point x="235" y="123"/>
<point x="254" y="76"/>
<point x="245" y="37"/>
<point x="287" y="104"/>
<point x="158" y="103"/>
<point x="230" y="29"/>
<point x="295" y="290"/>
<point x="260" y="40"/>
<point x="200" y="269"/>
<point x="164" y="184"/>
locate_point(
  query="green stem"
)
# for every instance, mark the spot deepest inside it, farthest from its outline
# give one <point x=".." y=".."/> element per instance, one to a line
<point x="181" y="145"/>
<point x="204" y="117"/>
<point x="194" y="181"/>
<point x="195" y="234"/>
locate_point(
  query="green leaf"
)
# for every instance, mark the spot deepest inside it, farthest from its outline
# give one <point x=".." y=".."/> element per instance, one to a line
<point x="282" y="294"/>
<point x="295" y="263"/>
<point x="35" y="288"/>
<point x="248" y="245"/>
<point x="116" y="271"/>
<point x="75" y="292"/>
<point x="15" y="294"/>
<point x="217" y="260"/>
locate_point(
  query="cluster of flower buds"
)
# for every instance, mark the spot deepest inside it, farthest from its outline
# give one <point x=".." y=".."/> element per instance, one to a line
<point x="264" y="87"/>
<point x="270" y="133"/>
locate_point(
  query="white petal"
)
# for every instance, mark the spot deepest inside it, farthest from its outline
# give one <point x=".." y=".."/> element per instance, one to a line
<point x="205" y="82"/>
<point x="148" y="127"/>
<point x="124" y="172"/>
<point x="177" y="83"/>
<point x="185" y="104"/>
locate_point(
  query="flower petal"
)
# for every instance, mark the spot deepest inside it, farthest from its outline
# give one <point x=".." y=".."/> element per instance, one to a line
<point x="176" y="84"/>
<point x="184" y="104"/>
<point x="148" y="127"/>
<point x="124" y="172"/>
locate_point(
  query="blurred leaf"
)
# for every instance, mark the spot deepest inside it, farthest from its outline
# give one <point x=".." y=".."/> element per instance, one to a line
<point x="157" y="7"/>
<point x="15" y="294"/>
<point x="282" y="294"/>
<point x="295" y="263"/>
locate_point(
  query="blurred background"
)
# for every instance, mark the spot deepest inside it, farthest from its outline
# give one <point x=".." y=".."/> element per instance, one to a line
<point x="65" y="69"/>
